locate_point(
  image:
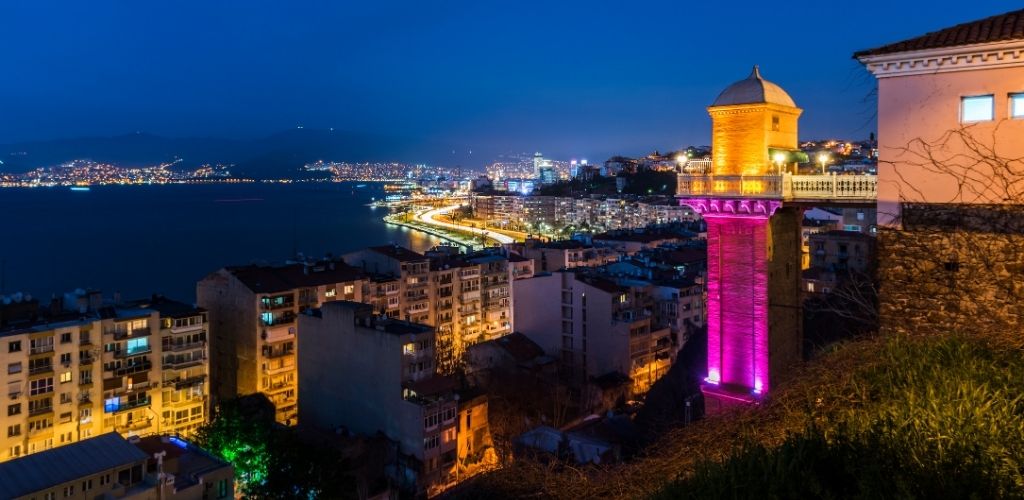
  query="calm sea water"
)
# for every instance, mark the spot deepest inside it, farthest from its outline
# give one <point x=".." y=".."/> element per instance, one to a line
<point x="162" y="239"/>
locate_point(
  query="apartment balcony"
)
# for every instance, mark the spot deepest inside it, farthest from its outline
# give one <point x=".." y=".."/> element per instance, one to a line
<point x="188" y="382"/>
<point x="40" y="350"/>
<point x="127" y="405"/>
<point x="35" y="412"/>
<point x="178" y="347"/>
<point x="470" y="295"/>
<point x="134" y="368"/>
<point x="278" y="333"/>
<point x="270" y="305"/>
<point x="279" y="387"/>
<point x="39" y="370"/>
<point x="278" y="353"/>
<point x="284" y="319"/>
<point x="128" y="334"/>
<point x="86" y="360"/>
<point x="127" y="353"/>
<point x="84" y="400"/>
<point x="180" y="363"/>
<point x="187" y="328"/>
<point x="277" y="370"/>
<point x="135" y="426"/>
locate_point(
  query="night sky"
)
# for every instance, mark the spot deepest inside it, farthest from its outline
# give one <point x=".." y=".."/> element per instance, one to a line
<point x="570" y="79"/>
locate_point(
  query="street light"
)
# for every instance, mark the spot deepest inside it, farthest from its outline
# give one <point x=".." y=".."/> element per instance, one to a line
<point x="822" y="160"/>
<point x="779" y="158"/>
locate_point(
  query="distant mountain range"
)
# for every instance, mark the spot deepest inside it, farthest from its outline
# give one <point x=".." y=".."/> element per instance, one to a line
<point x="277" y="155"/>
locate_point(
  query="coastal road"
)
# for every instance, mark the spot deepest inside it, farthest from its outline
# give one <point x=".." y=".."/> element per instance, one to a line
<point x="428" y="218"/>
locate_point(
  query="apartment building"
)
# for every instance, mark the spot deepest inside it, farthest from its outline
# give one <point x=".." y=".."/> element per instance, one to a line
<point x="842" y="251"/>
<point x="369" y="374"/>
<point x="595" y="326"/>
<point x="109" y="466"/>
<point x="83" y="367"/>
<point x="550" y="256"/>
<point x="252" y="312"/>
<point x="465" y="297"/>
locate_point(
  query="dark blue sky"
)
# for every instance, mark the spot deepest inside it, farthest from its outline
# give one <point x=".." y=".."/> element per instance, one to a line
<point x="567" y="78"/>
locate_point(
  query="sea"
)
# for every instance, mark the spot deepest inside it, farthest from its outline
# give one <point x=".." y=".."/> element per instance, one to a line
<point x="143" y="240"/>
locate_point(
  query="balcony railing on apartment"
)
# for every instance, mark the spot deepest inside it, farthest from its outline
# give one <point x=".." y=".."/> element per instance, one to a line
<point x="131" y="404"/>
<point x="127" y="334"/>
<point x="127" y="353"/>
<point x="179" y="362"/>
<point x="188" y="382"/>
<point x="133" y="368"/>
<point x="270" y="305"/>
<point x="36" y="370"/>
<point x="176" y="347"/>
<point x="41" y="349"/>
<point x="33" y="412"/>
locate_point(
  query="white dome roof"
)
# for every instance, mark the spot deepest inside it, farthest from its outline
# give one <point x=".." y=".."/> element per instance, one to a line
<point x="754" y="90"/>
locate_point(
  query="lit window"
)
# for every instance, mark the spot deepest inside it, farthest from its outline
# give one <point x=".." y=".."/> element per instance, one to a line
<point x="330" y="292"/>
<point x="1017" y="105"/>
<point x="977" y="108"/>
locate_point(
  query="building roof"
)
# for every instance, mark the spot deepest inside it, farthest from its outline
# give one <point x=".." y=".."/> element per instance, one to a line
<point x="168" y="308"/>
<point x="52" y="467"/>
<point x="398" y="253"/>
<point x="999" y="28"/>
<point x="754" y="90"/>
<point x="519" y="346"/>
<point x="271" y="279"/>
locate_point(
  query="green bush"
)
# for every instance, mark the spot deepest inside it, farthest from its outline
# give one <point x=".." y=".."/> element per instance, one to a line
<point x="932" y="418"/>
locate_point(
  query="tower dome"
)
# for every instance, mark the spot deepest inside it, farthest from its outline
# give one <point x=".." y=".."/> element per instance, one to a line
<point x="754" y="90"/>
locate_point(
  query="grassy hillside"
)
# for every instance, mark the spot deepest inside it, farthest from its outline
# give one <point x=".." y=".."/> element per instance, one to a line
<point x="879" y="418"/>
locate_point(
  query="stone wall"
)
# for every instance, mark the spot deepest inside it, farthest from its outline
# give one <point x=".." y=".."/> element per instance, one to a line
<point x="953" y="268"/>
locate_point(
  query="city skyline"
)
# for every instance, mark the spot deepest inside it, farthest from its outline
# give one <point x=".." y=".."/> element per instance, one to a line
<point x="480" y="85"/>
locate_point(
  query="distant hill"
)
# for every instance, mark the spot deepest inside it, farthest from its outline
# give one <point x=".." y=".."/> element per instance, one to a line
<point x="275" y="155"/>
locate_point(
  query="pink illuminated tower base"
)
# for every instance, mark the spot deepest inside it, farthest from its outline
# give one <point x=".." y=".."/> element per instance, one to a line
<point x="738" y="299"/>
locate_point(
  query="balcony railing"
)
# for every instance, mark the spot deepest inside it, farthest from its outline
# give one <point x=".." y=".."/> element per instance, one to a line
<point x="133" y="368"/>
<point x="184" y="347"/>
<point x="783" y="187"/>
<point x="127" y="405"/>
<point x="125" y="353"/>
<point x="41" y="349"/>
<point x="189" y="382"/>
<point x="127" y="334"/>
<point x="32" y="412"/>
<point x="36" y="370"/>
<point x="174" y="362"/>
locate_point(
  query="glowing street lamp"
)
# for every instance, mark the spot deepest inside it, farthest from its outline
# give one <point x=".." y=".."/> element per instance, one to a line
<point x="779" y="159"/>
<point x="822" y="160"/>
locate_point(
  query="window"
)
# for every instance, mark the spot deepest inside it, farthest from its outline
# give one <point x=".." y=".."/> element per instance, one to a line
<point x="977" y="108"/>
<point x="330" y="292"/>
<point x="65" y="338"/>
<point x="85" y="377"/>
<point x="65" y="359"/>
<point x="222" y="488"/>
<point x="430" y="443"/>
<point x="350" y="289"/>
<point x="13" y="368"/>
<point x="775" y="123"/>
<point x="14" y="409"/>
<point x="1017" y="105"/>
<point x="41" y="386"/>
<point x="14" y="346"/>
<point x="14" y="430"/>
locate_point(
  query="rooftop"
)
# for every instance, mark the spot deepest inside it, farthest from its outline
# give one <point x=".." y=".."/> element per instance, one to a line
<point x="168" y="308"/>
<point x="998" y="28"/>
<point x="398" y="253"/>
<point x="271" y="279"/>
<point x="39" y="471"/>
<point x="754" y="90"/>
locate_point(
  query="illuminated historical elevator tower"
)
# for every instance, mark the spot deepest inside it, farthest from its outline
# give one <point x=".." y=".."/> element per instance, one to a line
<point x="754" y="319"/>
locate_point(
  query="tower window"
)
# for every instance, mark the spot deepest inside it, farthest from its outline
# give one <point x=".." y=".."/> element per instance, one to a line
<point x="980" y="108"/>
<point x="775" y="123"/>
